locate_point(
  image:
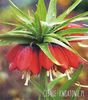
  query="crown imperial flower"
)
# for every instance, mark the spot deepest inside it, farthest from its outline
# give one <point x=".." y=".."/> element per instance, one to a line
<point x="43" y="41"/>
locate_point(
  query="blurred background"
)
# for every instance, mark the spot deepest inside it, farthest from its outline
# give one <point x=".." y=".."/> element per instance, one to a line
<point x="11" y="85"/>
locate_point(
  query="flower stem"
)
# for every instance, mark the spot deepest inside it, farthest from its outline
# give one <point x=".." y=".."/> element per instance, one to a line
<point x="44" y="82"/>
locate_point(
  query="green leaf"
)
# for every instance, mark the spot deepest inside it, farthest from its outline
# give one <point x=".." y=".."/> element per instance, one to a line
<point x="73" y="31"/>
<point x="62" y="16"/>
<point x="74" y="38"/>
<point x="57" y="36"/>
<point x="5" y="43"/>
<point x="41" y="10"/>
<point x="45" y="49"/>
<point x="51" y="15"/>
<point x="81" y="19"/>
<point x="28" y="27"/>
<point x="18" y="10"/>
<point x="9" y="35"/>
<point x="66" y="22"/>
<point x="38" y="86"/>
<point x="11" y="24"/>
<point x="14" y="39"/>
<point x="68" y="83"/>
<point x="37" y="25"/>
<point x="54" y="82"/>
<point x="25" y="19"/>
<point x="11" y="41"/>
<point x="20" y="14"/>
<point x="74" y="97"/>
<point x="83" y="45"/>
<point x="20" y="32"/>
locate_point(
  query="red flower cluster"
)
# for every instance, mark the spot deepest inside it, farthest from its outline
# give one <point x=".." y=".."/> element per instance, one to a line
<point x="32" y="59"/>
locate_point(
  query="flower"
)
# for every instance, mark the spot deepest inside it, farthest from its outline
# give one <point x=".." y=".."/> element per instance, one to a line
<point x="43" y="41"/>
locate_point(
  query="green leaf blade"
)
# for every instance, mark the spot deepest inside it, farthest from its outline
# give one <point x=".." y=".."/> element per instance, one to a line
<point x="54" y="82"/>
<point x="73" y="31"/>
<point x="41" y="10"/>
<point x="76" y="38"/>
<point x="39" y="87"/>
<point x="63" y="15"/>
<point x="73" y="97"/>
<point x="69" y="83"/>
<point x="51" y="15"/>
<point x="66" y="22"/>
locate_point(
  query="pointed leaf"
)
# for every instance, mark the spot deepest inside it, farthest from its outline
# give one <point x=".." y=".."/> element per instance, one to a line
<point x="20" y="14"/>
<point x="83" y="45"/>
<point x="74" y="96"/>
<point x="28" y="27"/>
<point x="57" y="36"/>
<point x="13" y="41"/>
<point x="51" y="15"/>
<point x="74" y="38"/>
<point x="6" y="43"/>
<point x="81" y="19"/>
<point x="55" y="81"/>
<point x="20" y="32"/>
<point x="69" y="83"/>
<point x="17" y="9"/>
<point x="37" y="25"/>
<point x="66" y="22"/>
<point x="41" y="10"/>
<point x="38" y="86"/>
<point x="6" y="36"/>
<point x="62" y="16"/>
<point x="73" y="31"/>
<point x="11" y="24"/>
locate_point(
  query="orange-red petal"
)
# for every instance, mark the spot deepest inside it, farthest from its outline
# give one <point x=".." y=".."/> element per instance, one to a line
<point x="35" y="66"/>
<point x="24" y="58"/>
<point x="45" y="62"/>
<point x="13" y="52"/>
<point x="74" y="60"/>
<point x="58" y="53"/>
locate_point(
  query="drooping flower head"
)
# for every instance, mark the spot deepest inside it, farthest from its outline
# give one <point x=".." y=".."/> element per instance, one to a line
<point x="43" y="41"/>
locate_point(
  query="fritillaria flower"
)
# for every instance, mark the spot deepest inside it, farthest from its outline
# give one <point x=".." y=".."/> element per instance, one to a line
<point x="43" y="41"/>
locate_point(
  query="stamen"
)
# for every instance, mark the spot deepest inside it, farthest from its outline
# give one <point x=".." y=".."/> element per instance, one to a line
<point x="27" y="79"/>
<point x="68" y="76"/>
<point x="83" y="45"/>
<point x="31" y="44"/>
<point x="51" y="78"/>
<point x="71" y="70"/>
<point x="85" y="25"/>
<point x="55" y="74"/>
<point x="48" y="73"/>
<point x="23" y="76"/>
<point x="84" y="86"/>
<point x="55" y="68"/>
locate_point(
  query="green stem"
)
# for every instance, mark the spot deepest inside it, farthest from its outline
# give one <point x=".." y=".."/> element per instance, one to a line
<point x="43" y="82"/>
